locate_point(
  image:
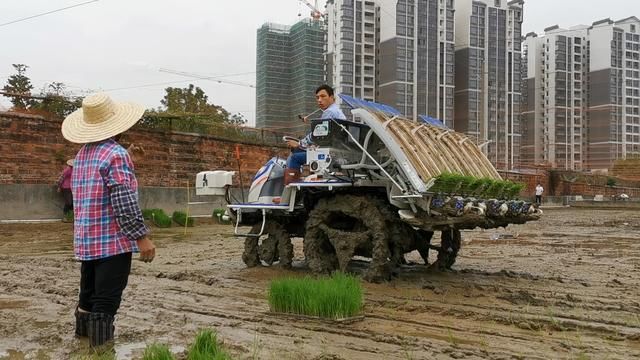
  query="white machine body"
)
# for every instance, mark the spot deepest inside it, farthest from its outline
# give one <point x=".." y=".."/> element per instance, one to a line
<point x="213" y="182"/>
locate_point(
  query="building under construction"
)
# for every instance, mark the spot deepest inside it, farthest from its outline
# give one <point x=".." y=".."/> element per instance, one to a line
<point x="290" y="66"/>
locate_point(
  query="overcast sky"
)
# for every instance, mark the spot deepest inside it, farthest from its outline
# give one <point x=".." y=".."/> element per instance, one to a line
<point x="116" y="44"/>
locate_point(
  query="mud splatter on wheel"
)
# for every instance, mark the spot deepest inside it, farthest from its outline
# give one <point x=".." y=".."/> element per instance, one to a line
<point x="275" y="246"/>
<point x="449" y="248"/>
<point x="402" y="237"/>
<point x="339" y="228"/>
<point x="250" y="255"/>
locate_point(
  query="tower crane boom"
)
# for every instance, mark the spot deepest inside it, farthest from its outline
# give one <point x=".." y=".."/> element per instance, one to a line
<point x="315" y="13"/>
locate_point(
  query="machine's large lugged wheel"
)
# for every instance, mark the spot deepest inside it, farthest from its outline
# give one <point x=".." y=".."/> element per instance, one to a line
<point x="275" y="246"/>
<point x="402" y="237"/>
<point x="339" y="228"/>
<point x="449" y="247"/>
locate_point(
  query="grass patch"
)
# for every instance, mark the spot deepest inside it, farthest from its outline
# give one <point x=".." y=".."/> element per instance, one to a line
<point x="218" y="215"/>
<point x="339" y="296"/>
<point x="147" y="214"/>
<point x="180" y="217"/>
<point x="157" y="352"/>
<point x="206" y="347"/>
<point x="158" y="217"/>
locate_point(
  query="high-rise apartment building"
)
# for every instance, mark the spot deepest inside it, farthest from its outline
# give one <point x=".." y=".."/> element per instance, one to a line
<point x="581" y="95"/>
<point x="290" y="66"/>
<point x="398" y="52"/>
<point x="554" y="99"/>
<point x="352" y="45"/>
<point x="487" y="71"/>
<point x="613" y="130"/>
<point x="416" y="57"/>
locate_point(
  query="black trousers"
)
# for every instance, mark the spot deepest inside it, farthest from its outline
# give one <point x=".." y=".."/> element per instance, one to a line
<point x="538" y="199"/>
<point x="68" y="200"/>
<point x="102" y="282"/>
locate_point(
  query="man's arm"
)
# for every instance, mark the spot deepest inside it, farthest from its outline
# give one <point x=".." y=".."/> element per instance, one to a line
<point x="59" y="182"/>
<point x="127" y="212"/>
<point x="129" y="218"/>
<point x="124" y="203"/>
<point x="305" y="142"/>
<point x="124" y="200"/>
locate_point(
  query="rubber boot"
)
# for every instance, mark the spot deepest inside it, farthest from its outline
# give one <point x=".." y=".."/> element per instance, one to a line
<point x="82" y="323"/>
<point x="100" y="328"/>
<point x="290" y="176"/>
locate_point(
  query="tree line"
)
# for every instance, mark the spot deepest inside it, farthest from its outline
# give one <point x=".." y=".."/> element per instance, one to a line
<point x="187" y="109"/>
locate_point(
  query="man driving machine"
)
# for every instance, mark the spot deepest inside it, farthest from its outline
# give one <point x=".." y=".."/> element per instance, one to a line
<point x="298" y="157"/>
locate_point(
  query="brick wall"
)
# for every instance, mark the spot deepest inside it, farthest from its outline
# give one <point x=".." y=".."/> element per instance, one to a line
<point x="34" y="151"/>
<point x="529" y="178"/>
<point x="562" y="183"/>
<point x="627" y="169"/>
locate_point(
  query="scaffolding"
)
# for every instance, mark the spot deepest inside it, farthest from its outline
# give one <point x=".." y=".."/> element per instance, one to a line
<point x="290" y="65"/>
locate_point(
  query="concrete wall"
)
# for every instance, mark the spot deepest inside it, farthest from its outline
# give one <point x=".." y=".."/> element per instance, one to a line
<point x="39" y="202"/>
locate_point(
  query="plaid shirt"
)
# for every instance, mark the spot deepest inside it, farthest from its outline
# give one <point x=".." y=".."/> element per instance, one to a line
<point x="108" y="220"/>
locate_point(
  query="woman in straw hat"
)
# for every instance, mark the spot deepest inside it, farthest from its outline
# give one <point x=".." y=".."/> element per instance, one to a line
<point x="64" y="186"/>
<point x="108" y="224"/>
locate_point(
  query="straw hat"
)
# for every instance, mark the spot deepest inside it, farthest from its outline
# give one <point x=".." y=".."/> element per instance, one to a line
<point x="100" y="118"/>
<point x="70" y="162"/>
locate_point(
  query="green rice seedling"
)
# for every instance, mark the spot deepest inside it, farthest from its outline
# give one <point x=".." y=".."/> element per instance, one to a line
<point x="147" y="214"/>
<point x="456" y="184"/>
<point x="206" y="347"/>
<point x="494" y="190"/>
<point x="180" y="217"/>
<point x="256" y="347"/>
<point x="507" y="187"/>
<point x="452" y="339"/>
<point x="583" y="356"/>
<point x="336" y="297"/>
<point x="157" y="352"/>
<point x="96" y="354"/>
<point x="473" y="186"/>
<point x="465" y="185"/>
<point x="447" y="183"/>
<point x="483" y="186"/>
<point x="160" y="218"/>
<point x="517" y="189"/>
<point x="512" y="190"/>
<point x="217" y="213"/>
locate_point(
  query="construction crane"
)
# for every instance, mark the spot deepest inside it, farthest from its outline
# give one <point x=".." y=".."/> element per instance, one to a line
<point x="210" y="78"/>
<point x="315" y="13"/>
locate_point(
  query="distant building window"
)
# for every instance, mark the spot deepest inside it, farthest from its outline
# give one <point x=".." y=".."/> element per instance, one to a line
<point x="633" y="27"/>
<point x="497" y="3"/>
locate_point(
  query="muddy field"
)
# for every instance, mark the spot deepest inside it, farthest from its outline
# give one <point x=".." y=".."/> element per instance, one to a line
<point x="565" y="287"/>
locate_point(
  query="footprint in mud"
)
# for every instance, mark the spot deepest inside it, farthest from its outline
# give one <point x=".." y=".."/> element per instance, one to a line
<point x="522" y="297"/>
<point x="503" y="272"/>
<point x="328" y="357"/>
<point x="188" y="276"/>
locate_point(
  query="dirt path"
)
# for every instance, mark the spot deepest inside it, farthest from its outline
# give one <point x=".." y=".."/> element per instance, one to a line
<point x="567" y="287"/>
